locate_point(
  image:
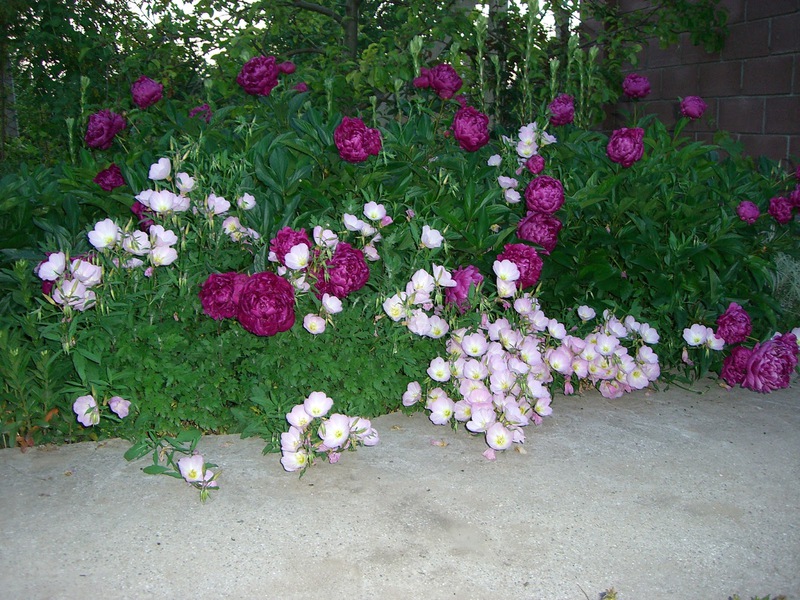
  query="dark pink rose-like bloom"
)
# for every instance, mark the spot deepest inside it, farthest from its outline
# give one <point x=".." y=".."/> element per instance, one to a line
<point x="748" y="212"/>
<point x="443" y="79"/>
<point x="143" y="214"/>
<point x="102" y="128"/>
<point x="287" y="67"/>
<point x="465" y="277"/>
<point x="266" y="304"/>
<point x="781" y="209"/>
<point x="146" y="92"/>
<point x="544" y="194"/>
<point x="203" y="111"/>
<point x="626" y="145"/>
<point x="109" y="178"/>
<point x="636" y="86"/>
<point x="259" y="75"/>
<point x="771" y="364"/>
<point x="470" y="128"/>
<point x="541" y="229"/>
<point x="734" y="325"/>
<point x="220" y="294"/>
<point x="527" y="260"/>
<point x="535" y="164"/>
<point x="693" y="107"/>
<point x="562" y="110"/>
<point x="734" y="367"/>
<point x="355" y="141"/>
<point x="794" y="197"/>
<point x="285" y="239"/>
<point x="345" y="272"/>
<point x="301" y="87"/>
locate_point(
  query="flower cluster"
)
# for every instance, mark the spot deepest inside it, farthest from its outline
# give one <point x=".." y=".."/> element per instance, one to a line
<point x="70" y="282"/>
<point x="88" y="412"/>
<point x="313" y="433"/>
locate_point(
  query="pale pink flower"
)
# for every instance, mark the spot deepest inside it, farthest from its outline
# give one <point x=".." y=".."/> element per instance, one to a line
<point x="371" y="253"/>
<point x="291" y="440"/>
<point x="498" y="437"/>
<point x="299" y="417"/>
<point x="648" y="334"/>
<point x="637" y="379"/>
<point x="442" y="409"/>
<point x="217" y="205"/>
<point x="331" y="304"/>
<point x="506" y="289"/>
<point x="160" y="170"/>
<point x="413" y="394"/>
<point x="119" y="406"/>
<point x="556" y="329"/>
<point x="136" y="242"/>
<point x="439" y="327"/>
<point x="325" y="237"/>
<point x="162" y="256"/>
<point x="505" y="270"/>
<point x="713" y="342"/>
<point x="512" y="196"/>
<point x="352" y="222"/>
<point x="163" y="201"/>
<point x="335" y="431"/>
<point x="184" y="182"/>
<point x="542" y="406"/>
<point x="162" y="237"/>
<point x="53" y="267"/>
<point x="71" y="292"/>
<point x="314" y="324"/>
<point x="419" y="323"/>
<point x="495" y="160"/>
<point x="696" y="335"/>
<point x="317" y="404"/>
<point x="374" y="211"/>
<point x="606" y="344"/>
<point x="85" y="407"/>
<point x="106" y="234"/>
<point x="483" y="417"/>
<point x="395" y="306"/>
<point x="232" y="225"/>
<point x="474" y="344"/>
<point x="294" y="461"/>
<point x="87" y="273"/>
<point x="297" y="258"/>
<point x="586" y="313"/>
<point x="507" y="182"/>
<point x="246" y="202"/>
<point x="442" y="276"/>
<point x="431" y="238"/>
<point x="192" y="468"/>
<point x="489" y="454"/>
<point x="439" y="369"/>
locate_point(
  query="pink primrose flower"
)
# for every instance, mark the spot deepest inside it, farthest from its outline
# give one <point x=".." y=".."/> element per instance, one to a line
<point x="85" y="407"/>
<point x="317" y="404"/>
<point x="295" y="461"/>
<point x="498" y="437"/>
<point x="335" y="431"/>
<point x="119" y="406"/>
<point x="192" y="468"/>
<point x="299" y="417"/>
<point x="442" y="410"/>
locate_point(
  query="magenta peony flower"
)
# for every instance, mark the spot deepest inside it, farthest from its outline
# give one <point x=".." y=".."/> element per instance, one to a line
<point x="443" y="79"/>
<point x="203" y="111"/>
<point x="562" y="110"/>
<point x="626" y="145"/>
<point x="734" y="325"/>
<point x="285" y="239"/>
<point x="465" y="277"/>
<point x="301" y="87"/>
<point x="535" y="164"/>
<point x="781" y="209"/>
<point x="544" y="194"/>
<point x="287" y="67"/>
<point x="102" y="128"/>
<point x="266" y="304"/>
<point x="540" y="229"/>
<point x="527" y="260"/>
<point x="734" y="367"/>
<point x="259" y="75"/>
<point x="146" y="92"/>
<point x="109" y="178"/>
<point x="143" y="215"/>
<point x="345" y="272"/>
<point x="794" y="197"/>
<point x="636" y="86"/>
<point x="771" y="364"/>
<point x="748" y="212"/>
<point x="470" y="128"/>
<point x="693" y="107"/>
<point x="355" y="141"/>
<point x="220" y="294"/>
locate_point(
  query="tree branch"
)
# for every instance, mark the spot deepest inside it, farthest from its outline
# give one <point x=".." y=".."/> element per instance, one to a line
<point x="323" y="10"/>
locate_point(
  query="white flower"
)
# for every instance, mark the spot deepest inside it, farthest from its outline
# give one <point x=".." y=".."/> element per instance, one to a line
<point x="439" y="369"/>
<point x="586" y="313"/>
<point x="505" y="270"/>
<point x="246" y="202"/>
<point x="105" y="234"/>
<point x="314" y="324"/>
<point x="696" y="335"/>
<point x="144" y="197"/>
<point x="331" y="304"/>
<point x="506" y="289"/>
<point x="431" y="238"/>
<point x="53" y="267"/>
<point x="162" y="256"/>
<point x="184" y="182"/>
<point x="495" y="160"/>
<point x="136" y="242"/>
<point x="231" y="225"/>
<point x="395" y="306"/>
<point x="162" y="237"/>
<point x="297" y="257"/>
<point x="160" y="170"/>
<point x="352" y="222"/>
<point x="162" y="201"/>
<point x="374" y="211"/>
<point x="442" y="276"/>
<point x="439" y="327"/>
<point x="85" y="272"/>
<point x="217" y="205"/>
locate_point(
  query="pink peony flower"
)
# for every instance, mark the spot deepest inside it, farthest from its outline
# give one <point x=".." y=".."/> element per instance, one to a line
<point x="562" y="110"/>
<point x="119" y="406"/>
<point x="109" y="178"/>
<point x="780" y="209"/>
<point x="266" y="304"/>
<point x="355" y="141"/>
<point x="285" y="240"/>
<point x="442" y="78"/>
<point x="102" y="128"/>
<point x="220" y="294"/>
<point x="626" y="145"/>
<point x="734" y="325"/>
<point x="540" y="229"/>
<point x="693" y="107"/>
<point x="465" y="278"/>
<point x="301" y="87"/>
<point x="734" y="367"/>
<point x="527" y="260"/>
<point x="544" y="194"/>
<point x="636" y="86"/>
<point x="287" y="67"/>
<point x="771" y="364"/>
<point x="470" y="129"/>
<point x="535" y="164"/>
<point x="203" y="112"/>
<point x="259" y="75"/>
<point x="794" y="197"/>
<point x="85" y="407"/>
<point x="748" y="212"/>
<point x="146" y="92"/>
<point x="345" y="272"/>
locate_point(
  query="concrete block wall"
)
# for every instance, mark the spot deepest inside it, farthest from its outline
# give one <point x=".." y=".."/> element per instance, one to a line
<point x="752" y="87"/>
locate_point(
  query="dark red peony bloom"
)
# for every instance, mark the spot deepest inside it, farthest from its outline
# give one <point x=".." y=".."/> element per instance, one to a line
<point x="287" y="67"/>
<point x="780" y="209"/>
<point x="143" y="214"/>
<point x="220" y="294"/>
<point x="203" y="111"/>
<point x="626" y="145"/>
<point x="771" y="364"/>
<point x="355" y="141"/>
<point x="259" y="75"/>
<point x="443" y="79"/>
<point x="109" y="178"/>
<point x="266" y="304"/>
<point x="527" y="260"/>
<point x="693" y="107"/>
<point x="344" y="272"/>
<point x="102" y="128"/>
<point x="301" y="87"/>
<point x="465" y="277"/>
<point x="470" y="128"/>
<point x="544" y="194"/>
<point x="734" y="325"/>
<point x="535" y="164"/>
<point x="562" y="110"/>
<point x="734" y="367"/>
<point x="285" y="240"/>
<point x="636" y="86"/>
<point x="748" y="212"/>
<point x="540" y="229"/>
<point x="146" y="92"/>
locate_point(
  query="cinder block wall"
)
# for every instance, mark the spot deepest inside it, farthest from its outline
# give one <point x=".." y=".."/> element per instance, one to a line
<point x="752" y="86"/>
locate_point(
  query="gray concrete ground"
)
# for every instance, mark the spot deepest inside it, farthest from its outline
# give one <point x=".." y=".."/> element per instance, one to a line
<point x="668" y="494"/>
